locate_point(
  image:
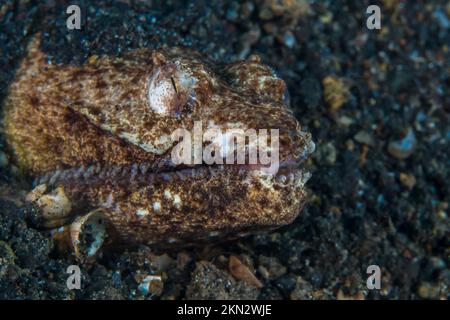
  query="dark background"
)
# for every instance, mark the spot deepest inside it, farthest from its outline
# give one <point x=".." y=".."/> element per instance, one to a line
<point x="380" y="185"/>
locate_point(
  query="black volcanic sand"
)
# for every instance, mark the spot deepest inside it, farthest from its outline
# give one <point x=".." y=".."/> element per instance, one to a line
<point x="374" y="199"/>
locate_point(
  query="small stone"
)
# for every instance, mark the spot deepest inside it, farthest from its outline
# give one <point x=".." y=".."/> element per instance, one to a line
<point x="326" y="18"/>
<point x="336" y="92"/>
<point x="161" y="262"/>
<point x="264" y="272"/>
<point x="350" y="145"/>
<point x="286" y="284"/>
<point x="291" y="10"/>
<point x="3" y="159"/>
<point x="116" y="279"/>
<point x="265" y="14"/>
<point x="407" y="180"/>
<point x="303" y="290"/>
<point x="442" y="215"/>
<point x="273" y="267"/>
<point x="232" y="13"/>
<point x="7" y="258"/>
<point x="345" y="121"/>
<point x="439" y="16"/>
<point x="242" y="272"/>
<point x="247" y="9"/>
<point x="365" y="138"/>
<point x="183" y="259"/>
<point x="342" y="296"/>
<point x="428" y="291"/>
<point x="289" y="39"/>
<point x="210" y="283"/>
<point x="402" y="149"/>
<point x="326" y="153"/>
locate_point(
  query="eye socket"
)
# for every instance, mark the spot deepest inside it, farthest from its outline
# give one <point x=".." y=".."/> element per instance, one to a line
<point x="171" y="90"/>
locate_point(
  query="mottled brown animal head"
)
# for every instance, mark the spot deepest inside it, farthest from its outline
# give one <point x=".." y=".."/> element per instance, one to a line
<point x="103" y="132"/>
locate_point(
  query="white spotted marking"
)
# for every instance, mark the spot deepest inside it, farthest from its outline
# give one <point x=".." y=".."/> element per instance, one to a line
<point x="176" y="200"/>
<point x="156" y="206"/>
<point x="142" y="212"/>
<point x="167" y="194"/>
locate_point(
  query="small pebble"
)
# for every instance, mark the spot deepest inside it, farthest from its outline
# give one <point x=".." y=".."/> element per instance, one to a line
<point x="242" y="272"/>
<point x="402" y="149"/>
<point x="7" y="257"/>
<point x="289" y="39"/>
<point x="326" y="153"/>
<point x="345" y="121"/>
<point x="365" y="138"/>
<point x="407" y="180"/>
<point x="336" y="92"/>
<point x="427" y="290"/>
<point x="3" y="159"/>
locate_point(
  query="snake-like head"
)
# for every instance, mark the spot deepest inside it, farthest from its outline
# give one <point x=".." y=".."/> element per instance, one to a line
<point x="170" y="146"/>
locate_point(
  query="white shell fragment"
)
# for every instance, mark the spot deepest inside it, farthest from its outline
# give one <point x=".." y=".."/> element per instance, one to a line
<point x="88" y="233"/>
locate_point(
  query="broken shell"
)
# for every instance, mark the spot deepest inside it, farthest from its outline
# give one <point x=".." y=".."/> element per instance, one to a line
<point x="88" y="233"/>
<point x="55" y="207"/>
<point x="151" y="285"/>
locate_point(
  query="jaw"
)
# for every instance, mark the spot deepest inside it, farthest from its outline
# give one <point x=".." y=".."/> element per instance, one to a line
<point x="184" y="206"/>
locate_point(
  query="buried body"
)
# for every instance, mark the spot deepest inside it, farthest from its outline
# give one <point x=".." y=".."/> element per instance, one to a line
<point x="97" y="140"/>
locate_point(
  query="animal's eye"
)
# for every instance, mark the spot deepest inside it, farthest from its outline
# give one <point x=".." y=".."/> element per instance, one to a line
<point x="171" y="90"/>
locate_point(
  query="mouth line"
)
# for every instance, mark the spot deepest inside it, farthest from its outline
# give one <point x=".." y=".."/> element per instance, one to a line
<point x="142" y="171"/>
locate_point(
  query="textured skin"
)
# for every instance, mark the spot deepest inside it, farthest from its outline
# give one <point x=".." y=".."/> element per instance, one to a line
<point x="93" y="130"/>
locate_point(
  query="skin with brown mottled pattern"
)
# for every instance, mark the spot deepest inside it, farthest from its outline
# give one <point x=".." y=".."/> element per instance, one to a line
<point x="101" y="132"/>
